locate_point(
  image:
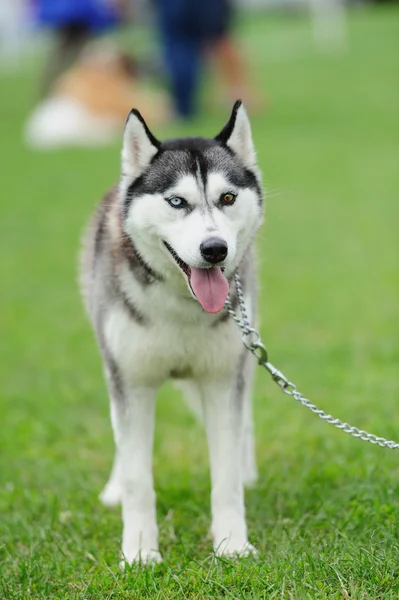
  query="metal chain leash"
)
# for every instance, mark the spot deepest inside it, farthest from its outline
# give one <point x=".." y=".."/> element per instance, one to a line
<point x="253" y="342"/>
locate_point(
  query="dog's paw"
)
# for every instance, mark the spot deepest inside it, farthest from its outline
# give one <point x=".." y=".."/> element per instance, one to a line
<point x="234" y="549"/>
<point x="112" y="494"/>
<point x="141" y="557"/>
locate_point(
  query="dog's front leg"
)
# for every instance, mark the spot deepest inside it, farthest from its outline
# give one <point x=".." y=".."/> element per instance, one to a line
<point x="224" y="426"/>
<point x="133" y="424"/>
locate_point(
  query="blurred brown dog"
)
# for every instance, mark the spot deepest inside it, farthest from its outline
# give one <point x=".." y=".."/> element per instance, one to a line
<point x="89" y="102"/>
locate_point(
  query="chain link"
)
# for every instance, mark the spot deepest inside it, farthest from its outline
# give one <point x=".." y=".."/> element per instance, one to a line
<point x="253" y="342"/>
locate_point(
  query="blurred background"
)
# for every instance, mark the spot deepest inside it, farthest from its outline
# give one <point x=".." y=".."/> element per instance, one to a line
<point x="94" y="59"/>
<point x="320" y="80"/>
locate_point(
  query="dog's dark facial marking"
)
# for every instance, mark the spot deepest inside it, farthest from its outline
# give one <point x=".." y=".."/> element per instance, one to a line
<point x="222" y="159"/>
<point x="190" y="156"/>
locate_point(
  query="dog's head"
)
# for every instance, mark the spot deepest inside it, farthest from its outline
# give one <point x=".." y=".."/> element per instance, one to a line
<point x="192" y="206"/>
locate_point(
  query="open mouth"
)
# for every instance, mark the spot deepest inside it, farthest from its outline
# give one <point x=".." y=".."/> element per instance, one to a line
<point x="184" y="266"/>
<point x="209" y="285"/>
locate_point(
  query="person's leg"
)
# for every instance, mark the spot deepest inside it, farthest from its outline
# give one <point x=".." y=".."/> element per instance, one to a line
<point x="182" y="58"/>
<point x="225" y="52"/>
<point x="230" y="64"/>
<point x="181" y="29"/>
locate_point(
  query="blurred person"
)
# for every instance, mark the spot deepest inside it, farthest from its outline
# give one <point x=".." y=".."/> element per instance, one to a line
<point x="74" y="23"/>
<point x="190" y="31"/>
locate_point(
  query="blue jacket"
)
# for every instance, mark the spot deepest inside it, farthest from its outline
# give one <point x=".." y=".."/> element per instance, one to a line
<point x="95" y="14"/>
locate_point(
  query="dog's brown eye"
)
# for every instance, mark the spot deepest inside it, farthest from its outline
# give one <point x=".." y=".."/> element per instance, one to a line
<point x="228" y="198"/>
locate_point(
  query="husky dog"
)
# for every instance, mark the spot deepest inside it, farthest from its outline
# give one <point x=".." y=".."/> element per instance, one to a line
<point x="158" y="263"/>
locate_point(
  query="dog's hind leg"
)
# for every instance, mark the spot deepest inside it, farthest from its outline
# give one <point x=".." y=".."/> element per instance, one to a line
<point x="192" y="397"/>
<point x="112" y="492"/>
<point x="111" y="495"/>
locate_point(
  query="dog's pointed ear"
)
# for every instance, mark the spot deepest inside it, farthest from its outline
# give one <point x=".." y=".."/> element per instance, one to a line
<point x="139" y="145"/>
<point x="237" y="135"/>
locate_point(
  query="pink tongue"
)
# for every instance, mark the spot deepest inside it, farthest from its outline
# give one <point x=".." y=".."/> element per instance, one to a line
<point x="210" y="287"/>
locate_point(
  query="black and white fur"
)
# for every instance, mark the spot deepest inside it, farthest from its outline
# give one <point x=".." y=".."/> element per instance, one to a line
<point x="150" y="327"/>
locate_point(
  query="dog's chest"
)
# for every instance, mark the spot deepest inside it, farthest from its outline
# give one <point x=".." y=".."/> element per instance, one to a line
<point x="164" y="348"/>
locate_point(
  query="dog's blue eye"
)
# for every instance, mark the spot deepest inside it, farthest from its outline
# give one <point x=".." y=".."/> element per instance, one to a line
<point x="177" y="202"/>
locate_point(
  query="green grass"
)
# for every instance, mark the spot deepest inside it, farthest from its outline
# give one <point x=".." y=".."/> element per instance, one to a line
<point x="325" y="513"/>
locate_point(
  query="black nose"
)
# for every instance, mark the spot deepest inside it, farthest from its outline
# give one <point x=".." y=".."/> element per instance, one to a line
<point x="214" y="250"/>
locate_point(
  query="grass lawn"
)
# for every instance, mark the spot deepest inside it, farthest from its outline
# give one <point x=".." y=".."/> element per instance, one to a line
<point x="325" y="513"/>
